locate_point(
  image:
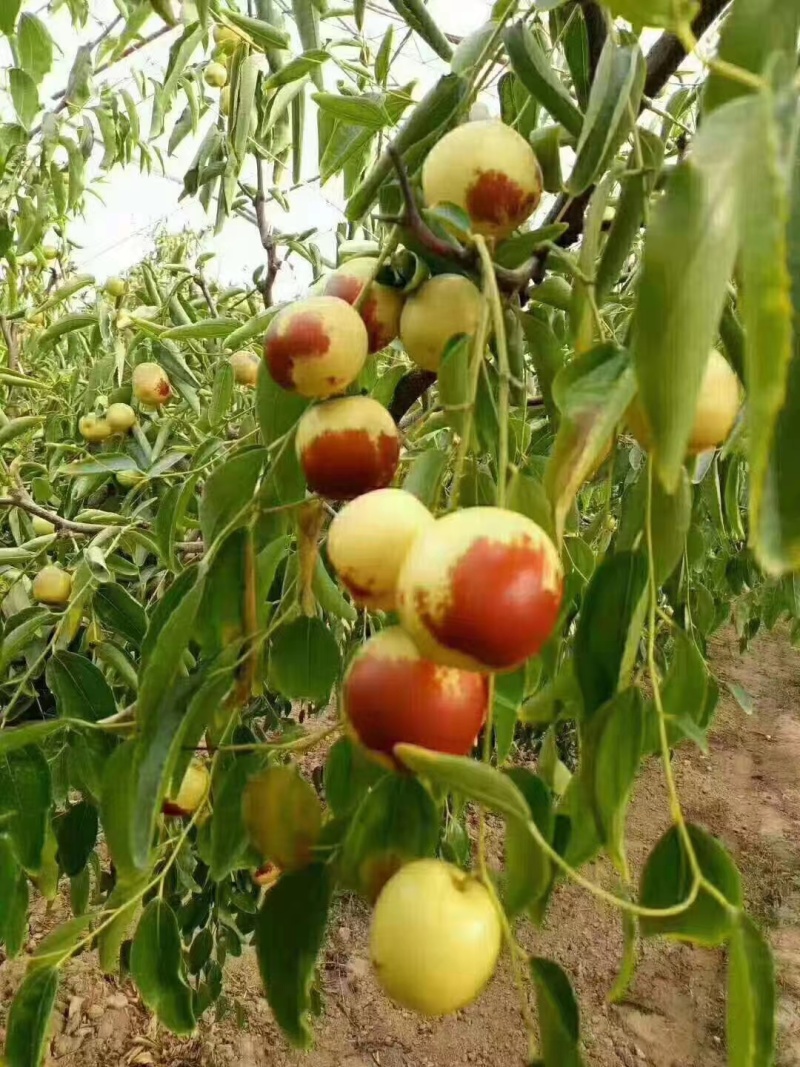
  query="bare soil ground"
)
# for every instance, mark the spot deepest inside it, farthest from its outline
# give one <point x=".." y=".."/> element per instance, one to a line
<point x="746" y="791"/>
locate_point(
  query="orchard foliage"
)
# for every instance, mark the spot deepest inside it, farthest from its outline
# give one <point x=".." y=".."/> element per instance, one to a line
<point x="169" y="592"/>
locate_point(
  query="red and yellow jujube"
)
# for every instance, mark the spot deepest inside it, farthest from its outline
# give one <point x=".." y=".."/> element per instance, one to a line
<point x="381" y="307"/>
<point x="316" y="347"/>
<point x="481" y="589"/>
<point x="369" y="540"/>
<point x="348" y="446"/>
<point x="393" y="695"/>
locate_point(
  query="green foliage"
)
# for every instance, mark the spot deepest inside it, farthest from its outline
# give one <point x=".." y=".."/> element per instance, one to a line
<point x="205" y="623"/>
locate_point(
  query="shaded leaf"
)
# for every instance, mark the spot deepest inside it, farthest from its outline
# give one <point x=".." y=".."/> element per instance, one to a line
<point x="667" y="880"/>
<point x="29" y="1018"/>
<point x="157" y="968"/>
<point x="751" y="997"/>
<point x="288" y="937"/>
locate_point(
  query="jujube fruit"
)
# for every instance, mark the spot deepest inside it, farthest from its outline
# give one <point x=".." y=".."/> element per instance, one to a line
<point x="392" y="695"/>
<point x="225" y="37"/>
<point x="215" y="75"/>
<point x="283" y="816"/>
<point x="441" y="309"/>
<point x="120" y="417"/>
<point x="151" y="384"/>
<point x="192" y="792"/>
<point x="487" y="169"/>
<point x="245" y="368"/>
<point x="348" y="446"/>
<point x="93" y="429"/>
<point x="369" y="540"/>
<point x="382" y="306"/>
<point x="481" y="589"/>
<point x="116" y="287"/>
<point x="52" y="586"/>
<point x="316" y="347"/>
<point x="718" y="403"/>
<point x="435" y="937"/>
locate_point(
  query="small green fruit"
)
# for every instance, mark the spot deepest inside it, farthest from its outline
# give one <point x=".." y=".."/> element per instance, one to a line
<point x="215" y="75"/>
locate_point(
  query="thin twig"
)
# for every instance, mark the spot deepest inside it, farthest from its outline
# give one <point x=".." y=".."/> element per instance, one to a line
<point x="267" y="233"/>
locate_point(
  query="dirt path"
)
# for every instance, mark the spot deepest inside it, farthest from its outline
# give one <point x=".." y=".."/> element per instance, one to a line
<point x="747" y="791"/>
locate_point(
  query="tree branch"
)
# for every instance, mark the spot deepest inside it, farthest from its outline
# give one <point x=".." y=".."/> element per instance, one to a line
<point x="267" y="234"/>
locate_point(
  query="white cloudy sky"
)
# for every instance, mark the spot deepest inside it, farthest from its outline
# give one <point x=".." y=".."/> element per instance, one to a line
<point x="119" y="230"/>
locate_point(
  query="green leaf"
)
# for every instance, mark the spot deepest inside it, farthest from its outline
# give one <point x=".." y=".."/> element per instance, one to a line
<point x="228" y="492"/>
<point x="12" y="738"/>
<point x="24" y="96"/>
<point x="122" y="903"/>
<point x="757" y="35"/>
<point x="203" y="330"/>
<point x="76" y="832"/>
<point x="164" y="656"/>
<point x="304" y="660"/>
<point x="10" y="876"/>
<point x="28" y="1026"/>
<point x="59" y="945"/>
<point x="108" y="463"/>
<point x="533" y="68"/>
<point x="396" y="823"/>
<point x="117" y="805"/>
<point x="79" y="889"/>
<point x="613" y="106"/>
<point x="667" y="880"/>
<point x="353" y="109"/>
<point x="767" y="295"/>
<point x="120" y="613"/>
<point x="288" y="937"/>
<point x="629" y="214"/>
<point x="604" y="626"/>
<point x="684" y="692"/>
<point x="751" y="997"/>
<point x="432" y="114"/>
<point x="668" y="14"/>
<point x="157" y="968"/>
<point x="34" y="46"/>
<point x="8" y="16"/>
<point x="559" y="1020"/>
<point x="221" y="396"/>
<point x="592" y="393"/>
<point x="349" y="775"/>
<point x="79" y="687"/>
<point x="519" y="249"/>
<point x="671" y="517"/>
<point x="475" y="781"/>
<point x="262" y="33"/>
<point x="417" y="16"/>
<point x="611" y="751"/>
<point x="25" y="799"/>
<point x="228" y="830"/>
<point x="688" y="260"/>
<point x="528" y="868"/>
<point x="509" y="690"/>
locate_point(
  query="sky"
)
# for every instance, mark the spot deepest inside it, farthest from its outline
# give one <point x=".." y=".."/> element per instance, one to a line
<point x="118" y="228"/>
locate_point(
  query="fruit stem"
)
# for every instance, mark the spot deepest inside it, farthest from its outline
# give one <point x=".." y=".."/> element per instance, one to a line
<point x="492" y="295"/>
